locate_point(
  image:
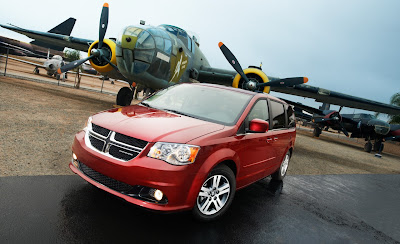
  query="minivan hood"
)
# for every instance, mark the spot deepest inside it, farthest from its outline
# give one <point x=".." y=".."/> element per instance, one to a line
<point x="154" y="125"/>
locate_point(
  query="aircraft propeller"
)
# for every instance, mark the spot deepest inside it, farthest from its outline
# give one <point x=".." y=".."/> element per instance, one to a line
<point x="254" y="85"/>
<point x="334" y="118"/>
<point x="100" y="52"/>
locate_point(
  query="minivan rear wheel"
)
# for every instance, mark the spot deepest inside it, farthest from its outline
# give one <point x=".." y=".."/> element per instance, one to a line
<point x="281" y="172"/>
<point x="216" y="194"/>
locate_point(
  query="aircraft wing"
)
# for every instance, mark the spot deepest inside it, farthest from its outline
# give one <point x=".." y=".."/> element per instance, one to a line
<point x="332" y="97"/>
<point x="225" y="77"/>
<point x="55" y="39"/>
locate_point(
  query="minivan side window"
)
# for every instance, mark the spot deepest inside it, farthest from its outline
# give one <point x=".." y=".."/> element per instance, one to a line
<point x="278" y="115"/>
<point x="259" y="111"/>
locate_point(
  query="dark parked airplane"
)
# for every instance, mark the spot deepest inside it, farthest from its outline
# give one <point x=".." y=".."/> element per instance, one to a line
<point x="157" y="57"/>
<point x="360" y="125"/>
<point x="36" y="48"/>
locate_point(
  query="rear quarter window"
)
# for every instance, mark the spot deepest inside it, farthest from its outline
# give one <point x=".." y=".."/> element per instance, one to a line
<point x="291" y="117"/>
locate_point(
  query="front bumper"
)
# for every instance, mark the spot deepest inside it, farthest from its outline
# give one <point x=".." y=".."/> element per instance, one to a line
<point x="129" y="180"/>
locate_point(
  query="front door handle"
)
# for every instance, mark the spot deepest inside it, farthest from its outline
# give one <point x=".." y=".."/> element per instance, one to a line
<point x="269" y="140"/>
<point x="275" y="138"/>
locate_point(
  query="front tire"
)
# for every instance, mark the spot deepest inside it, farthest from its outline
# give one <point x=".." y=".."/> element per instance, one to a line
<point x="317" y="131"/>
<point x="216" y="194"/>
<point x="281" y="172"/>
<point x="368" y="147"/>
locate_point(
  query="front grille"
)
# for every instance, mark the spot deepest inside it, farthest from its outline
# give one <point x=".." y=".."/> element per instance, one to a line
<point x="96" y="143"/>
<point x="105" y="180"/>
<point x="130" y="140"/>
<point x="113" y="144"/>
<point x="100" y="130"/>
<point x="122" y="153"/>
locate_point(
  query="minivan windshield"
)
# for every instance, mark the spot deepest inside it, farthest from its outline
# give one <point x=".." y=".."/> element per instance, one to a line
<point x="212" y="104"/>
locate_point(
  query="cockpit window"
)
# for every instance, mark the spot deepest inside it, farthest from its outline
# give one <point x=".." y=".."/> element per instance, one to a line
<point x="132" y="31"/>
<point x="162" y="39"/>
<point x="145" y="41"/>
<point x="159" y="42"/>
<point x="181" y="34"/>
<point x="168" y="46"/>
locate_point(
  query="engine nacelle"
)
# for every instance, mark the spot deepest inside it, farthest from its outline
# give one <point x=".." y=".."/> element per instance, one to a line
<point x="99" y="64"/>
<point x="252" y="74"/>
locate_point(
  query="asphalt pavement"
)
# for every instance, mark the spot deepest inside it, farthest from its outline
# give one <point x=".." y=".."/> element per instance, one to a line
<point x="302" y="209"/>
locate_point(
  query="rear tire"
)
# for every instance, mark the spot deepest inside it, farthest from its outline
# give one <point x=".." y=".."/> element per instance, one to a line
<point x="281" y="172"/>
<point x="124" y="96"/>
<point x="215" y="195"/>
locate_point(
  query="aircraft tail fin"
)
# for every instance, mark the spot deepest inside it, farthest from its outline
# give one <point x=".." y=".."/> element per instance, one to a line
<point x="65" y="28"/>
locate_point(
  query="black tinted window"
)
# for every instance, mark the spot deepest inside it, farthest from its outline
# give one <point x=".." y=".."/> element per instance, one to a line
<point x="278" y="115"/>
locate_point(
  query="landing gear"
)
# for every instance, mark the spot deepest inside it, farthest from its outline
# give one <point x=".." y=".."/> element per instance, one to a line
<point x="317" y="131"/>
<point x="124" y="96"/>
<point x="36" y="70"/>
<point x="368" y="147"/>
<point x="378" y="146"/>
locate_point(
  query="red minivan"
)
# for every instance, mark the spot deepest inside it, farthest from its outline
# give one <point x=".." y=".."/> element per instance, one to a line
<point x="189" y="146"/>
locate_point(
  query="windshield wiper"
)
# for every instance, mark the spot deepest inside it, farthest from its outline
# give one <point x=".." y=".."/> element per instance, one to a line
<point x="178" y="112"/>
<point x="145" y="104"/>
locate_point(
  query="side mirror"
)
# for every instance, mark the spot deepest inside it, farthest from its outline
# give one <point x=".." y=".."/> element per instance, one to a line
<point x="258" y="126"/>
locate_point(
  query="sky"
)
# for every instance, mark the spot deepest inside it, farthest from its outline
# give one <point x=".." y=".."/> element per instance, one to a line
<point x="346" y="46"/>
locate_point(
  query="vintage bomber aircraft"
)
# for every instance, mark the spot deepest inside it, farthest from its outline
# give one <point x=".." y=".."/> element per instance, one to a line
<point x="157" y="57"/>
<point x="360" y="125"/>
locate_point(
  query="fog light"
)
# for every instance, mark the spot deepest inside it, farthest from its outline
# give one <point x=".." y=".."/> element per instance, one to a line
<point x="158" y="195"/>
<point x="75" y="160"/>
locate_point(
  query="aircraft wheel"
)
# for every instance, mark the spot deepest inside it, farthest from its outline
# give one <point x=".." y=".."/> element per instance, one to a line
<point x="281" y="172"/>
<point x="58" y="76"/>
<point x="36" y="71"/>
<point x="124" y="96"/>
<point x="368" y="147"/>
<point x="216" y="194"/>
<point x="317" y="131"/>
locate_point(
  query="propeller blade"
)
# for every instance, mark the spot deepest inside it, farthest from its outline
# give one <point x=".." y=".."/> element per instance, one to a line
<point x="73" y="64"/>
<point x="344" y="130"/>
<point x="108" y="61"/>
<point x="232" y="60"/>
<point x="103" y="24"/>
<point x="285" y="82"/>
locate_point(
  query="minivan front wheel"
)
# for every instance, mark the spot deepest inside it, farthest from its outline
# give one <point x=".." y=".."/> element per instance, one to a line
<point x="216" y="194"/>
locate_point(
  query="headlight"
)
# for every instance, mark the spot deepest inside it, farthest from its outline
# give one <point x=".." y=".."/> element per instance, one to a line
<point x="173" y="153"/>
<point x="88" y="124"/>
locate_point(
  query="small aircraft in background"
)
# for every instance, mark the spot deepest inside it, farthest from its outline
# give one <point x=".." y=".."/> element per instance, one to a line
<point x="360" y="125"/>
<point x="50" y="65"/>
<point x="158" y="57"/>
